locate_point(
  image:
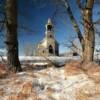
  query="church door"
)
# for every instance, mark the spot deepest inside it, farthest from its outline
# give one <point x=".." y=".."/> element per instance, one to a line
<point x="50" y="49"/>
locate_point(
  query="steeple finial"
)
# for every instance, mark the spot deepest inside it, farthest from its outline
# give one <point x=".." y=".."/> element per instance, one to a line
<point x="49" y="21"/>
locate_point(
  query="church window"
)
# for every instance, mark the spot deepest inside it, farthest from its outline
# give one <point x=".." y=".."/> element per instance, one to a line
<point x="50" y="36"/>
<point x="43" y="51"/>
<point x="50" y="49"/>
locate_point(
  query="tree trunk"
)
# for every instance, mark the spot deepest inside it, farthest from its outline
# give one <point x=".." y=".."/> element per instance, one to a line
<point x="74" y="23"/>
<point x="89" y="39"/>
<point x="11" y="36"/>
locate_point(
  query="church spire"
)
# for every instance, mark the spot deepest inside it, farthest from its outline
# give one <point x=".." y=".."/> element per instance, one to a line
<point x="49" y="25"/>
<point x="49" y="22"/>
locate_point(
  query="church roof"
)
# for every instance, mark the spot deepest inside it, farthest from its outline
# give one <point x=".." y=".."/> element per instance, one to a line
<point x="44" y="39"/>
<point x="43" y="42"/>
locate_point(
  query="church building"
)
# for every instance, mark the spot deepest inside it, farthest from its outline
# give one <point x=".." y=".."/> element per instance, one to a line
<point x="48" y="46"/>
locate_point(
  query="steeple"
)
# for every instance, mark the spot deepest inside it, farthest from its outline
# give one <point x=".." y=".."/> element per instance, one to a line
<point x="49" y="21"/>
<point x="49" y="25"/>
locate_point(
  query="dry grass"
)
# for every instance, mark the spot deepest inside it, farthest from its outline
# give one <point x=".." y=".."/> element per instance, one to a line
<point x="3" y="71"/>
<point x="92" y="70"/>
<point x="88" y="92"/>
<point x="76" y="67"/>
<point x="73" y="68"/>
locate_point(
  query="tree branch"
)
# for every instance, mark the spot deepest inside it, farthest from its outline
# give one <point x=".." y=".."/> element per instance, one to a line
<point x="2" y="26"/>
<point x="89" y="4"/>
<point x="3" y="60"/>
<point x="25" y="28"/>
<point x="76" y="49"/>
<point x="96" y="23"/>
<point x="79" y="4"/>
<point x="74" y="22"/>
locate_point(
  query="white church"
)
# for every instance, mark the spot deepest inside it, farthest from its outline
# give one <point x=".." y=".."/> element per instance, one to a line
<point x="48" y="46"/>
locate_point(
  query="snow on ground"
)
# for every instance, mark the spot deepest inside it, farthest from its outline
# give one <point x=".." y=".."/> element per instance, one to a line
<point x="52" y="84"/>
<point x="37" y="58"/>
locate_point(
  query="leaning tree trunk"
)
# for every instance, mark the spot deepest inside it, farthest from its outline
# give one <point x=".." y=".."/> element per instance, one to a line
<point x="75" y="24"/>
<point x="89" y="39"/>
<point x="11" y="35"/>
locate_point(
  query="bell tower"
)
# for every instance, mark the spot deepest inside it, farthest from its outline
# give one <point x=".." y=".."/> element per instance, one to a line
<point x="49" y="29"/>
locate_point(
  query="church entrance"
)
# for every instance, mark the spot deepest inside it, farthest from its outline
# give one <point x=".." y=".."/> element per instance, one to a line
<point x="50" y="49"/>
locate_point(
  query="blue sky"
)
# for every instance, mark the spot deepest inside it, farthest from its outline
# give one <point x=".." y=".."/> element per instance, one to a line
<point x="33" y="14"/>
<point x="39" y="16"/>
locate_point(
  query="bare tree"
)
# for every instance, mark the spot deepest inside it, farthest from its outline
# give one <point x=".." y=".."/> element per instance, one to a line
<point x="88" y="40"/>
<point x="11" y="35"/>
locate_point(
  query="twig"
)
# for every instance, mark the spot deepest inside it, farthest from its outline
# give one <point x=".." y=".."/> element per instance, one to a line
<point x="3" y="60"/>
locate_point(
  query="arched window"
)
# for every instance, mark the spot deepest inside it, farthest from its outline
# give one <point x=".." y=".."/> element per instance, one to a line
<point x="50" y="36"/>
<point x="43" y="51"/>
<point x="49" y="27"/>
<point x="50" y="49"/>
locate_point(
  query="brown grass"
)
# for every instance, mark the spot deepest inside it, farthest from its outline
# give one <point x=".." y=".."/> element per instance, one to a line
<point x="76" y="67"/>
<point x="3" y="71"/>
<point x="73" y="68"/>
<point x="88" y="92"/>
